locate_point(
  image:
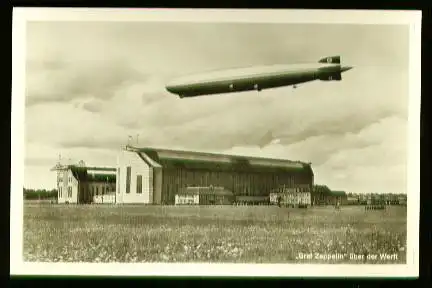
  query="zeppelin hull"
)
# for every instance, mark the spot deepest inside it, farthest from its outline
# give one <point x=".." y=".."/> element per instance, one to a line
<point x="245" y="84"/>
<point x="257" y="78"/>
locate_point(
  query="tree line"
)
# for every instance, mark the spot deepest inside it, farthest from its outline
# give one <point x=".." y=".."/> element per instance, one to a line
<point x="326" y="190"/>
<point x="39" y="194"/>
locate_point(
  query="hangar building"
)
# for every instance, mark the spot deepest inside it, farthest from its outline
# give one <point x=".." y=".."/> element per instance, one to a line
<point x="156" y="176"/>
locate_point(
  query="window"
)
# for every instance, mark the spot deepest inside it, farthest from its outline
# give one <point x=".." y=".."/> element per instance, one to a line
<point x="103" y="190"/>
<point x="128" y="178"/>
<point x="118" y="180"/>
<point x="60" y="192"/>
<point x="139" y="184"/>
<point x="97" y="190"/>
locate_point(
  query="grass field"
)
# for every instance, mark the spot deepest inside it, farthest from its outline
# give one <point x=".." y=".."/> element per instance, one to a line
<point x="242" y="234"/>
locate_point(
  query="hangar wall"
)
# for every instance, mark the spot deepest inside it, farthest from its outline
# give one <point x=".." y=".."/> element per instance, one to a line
<point x="166" y="173"/>
<point x="240" y="183"/>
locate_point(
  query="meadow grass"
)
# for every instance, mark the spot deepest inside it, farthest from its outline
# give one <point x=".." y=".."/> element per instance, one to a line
<point x="236" y="234"/>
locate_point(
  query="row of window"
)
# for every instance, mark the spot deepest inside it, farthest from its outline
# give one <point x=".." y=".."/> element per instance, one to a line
<point x="95" y="190"/>
<point x="60" y="178"/>
<point x="139" y="181"/>
<point x="185" y="201"/>
<point x="293" y="190"/>
<point x="69" y="192"/>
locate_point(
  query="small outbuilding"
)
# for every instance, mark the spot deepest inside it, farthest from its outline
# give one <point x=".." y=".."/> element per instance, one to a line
<point x="204" y="196"/>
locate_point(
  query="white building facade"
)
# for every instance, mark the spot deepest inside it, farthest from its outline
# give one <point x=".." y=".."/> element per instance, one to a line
<point x="67" y="187"/>
<point x="134" y="181"/>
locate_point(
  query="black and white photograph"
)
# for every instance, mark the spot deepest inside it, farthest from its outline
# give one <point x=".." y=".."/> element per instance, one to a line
<point x="215" y="142"/>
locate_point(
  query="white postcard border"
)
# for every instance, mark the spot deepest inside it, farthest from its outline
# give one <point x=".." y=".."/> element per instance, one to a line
<point x="22" y="15"/>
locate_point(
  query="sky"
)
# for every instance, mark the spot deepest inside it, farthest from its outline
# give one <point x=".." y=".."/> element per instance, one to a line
<point x="91" y="85"/>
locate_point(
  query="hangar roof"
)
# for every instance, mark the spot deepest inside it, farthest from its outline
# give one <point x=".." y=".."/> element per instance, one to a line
<point x="203" y="160"/>
<point x="110" y="178"/>
<point x="82" y="174"/>
<point x="58" y="166"/>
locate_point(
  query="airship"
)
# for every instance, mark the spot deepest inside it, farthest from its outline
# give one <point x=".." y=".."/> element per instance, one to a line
<point x="257" y="78"/>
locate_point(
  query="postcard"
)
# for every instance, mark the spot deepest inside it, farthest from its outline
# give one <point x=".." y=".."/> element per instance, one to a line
<point x="168" y="142"/>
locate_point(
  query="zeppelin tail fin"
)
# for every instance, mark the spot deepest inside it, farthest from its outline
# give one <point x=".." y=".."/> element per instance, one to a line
<point x="330" y="60"/>
<point x="332" y="72"/>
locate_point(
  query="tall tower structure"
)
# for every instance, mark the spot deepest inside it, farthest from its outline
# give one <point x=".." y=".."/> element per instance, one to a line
<point x="62" y="177"/>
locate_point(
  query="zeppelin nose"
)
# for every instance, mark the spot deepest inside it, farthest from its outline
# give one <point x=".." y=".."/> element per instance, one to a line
<point x="170" y="88"/>
<point x="346" y="68"/>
